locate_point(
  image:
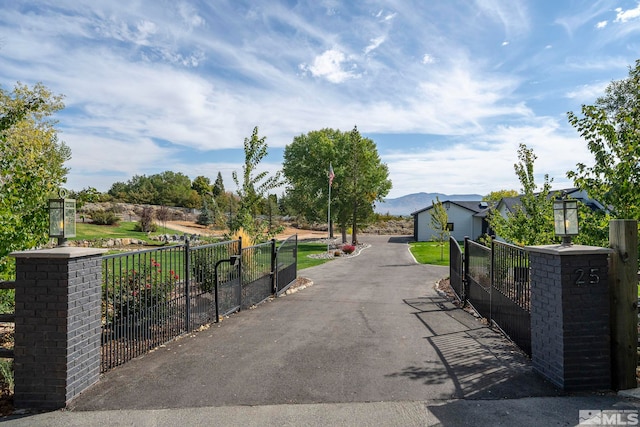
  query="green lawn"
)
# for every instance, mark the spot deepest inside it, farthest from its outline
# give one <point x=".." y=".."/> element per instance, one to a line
<point x="122" y="230"/>
<point x="305" y="249"/>
<point x="430" y="252"/>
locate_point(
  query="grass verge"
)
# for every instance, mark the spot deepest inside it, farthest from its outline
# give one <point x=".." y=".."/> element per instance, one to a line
<point x="122" y="230"/>
<point x="430" y="252"/>
<point x="305" y="249"/>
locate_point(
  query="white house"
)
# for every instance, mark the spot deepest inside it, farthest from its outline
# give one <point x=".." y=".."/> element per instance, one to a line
<point x="464" y="219"/>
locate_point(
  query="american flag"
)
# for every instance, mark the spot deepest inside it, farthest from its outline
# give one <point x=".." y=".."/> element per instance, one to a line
<point x="331" y="175"/>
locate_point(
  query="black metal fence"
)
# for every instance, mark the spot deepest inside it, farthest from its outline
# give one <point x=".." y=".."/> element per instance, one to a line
<point x="495" y="281"/>
<point x="202" y="265"/>
<point x="478" y="276"/>
<point x="511" y="293"/>
<point x="257" y="276"/>
<point x="456" y="268"/>
<point x="152" y="296"/>
<point x="287" y="268"/>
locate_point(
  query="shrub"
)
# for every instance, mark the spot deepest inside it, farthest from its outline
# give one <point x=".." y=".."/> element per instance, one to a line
<point x="100" y="217"/>
<point x="206" y="217"/>
<point x="137" y="292"/>
<point x="6" y="374"/>
<point x="348" y="249"/>
<point x="146" y="223"/>
<point x="7" y="300"/>
<point x="246" y="239"/>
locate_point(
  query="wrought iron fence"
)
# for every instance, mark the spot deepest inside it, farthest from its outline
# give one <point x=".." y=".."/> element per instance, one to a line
<point x="511" y="294"/>
<point x="257" y="277"/>
<point x="478" y="274"/>
<point x="287" y="267"/>
<point x="144" y="295"/>
<point x="152" y="296"/>
<point x="456" y="268"/>
<point x="498" y="287"/>
<point x="202" y="263"/>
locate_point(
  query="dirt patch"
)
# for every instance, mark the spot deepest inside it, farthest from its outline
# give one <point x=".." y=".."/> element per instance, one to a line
<point x="193" y="228"/>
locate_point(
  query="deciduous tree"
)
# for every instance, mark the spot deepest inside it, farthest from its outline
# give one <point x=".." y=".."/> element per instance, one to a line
<point x="611" y="129"/>
<point x="31" y="166"/>
<point x="366" y="179"/>
<point x="202" y="185"/>
<point x="305" y="167"/>
<point x="439" y="223"/>
<point x="361" y="179"/>
<point x="531" y="222"/>
<point x="253" y="188"/>
<point x="496" y="196"/>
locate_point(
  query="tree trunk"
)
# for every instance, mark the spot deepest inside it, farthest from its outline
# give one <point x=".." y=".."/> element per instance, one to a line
<point x="354" y="232"/>
<point x="343" y="229"/>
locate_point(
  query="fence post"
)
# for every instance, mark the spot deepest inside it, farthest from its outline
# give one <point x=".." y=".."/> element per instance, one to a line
<point x="240" y="274"/>
<point x="465" y="271"/>
<point x="623" y="239"/>
<point x="58" y="325"/>
<point x="187" y="284"/>
<point x="274" y="281"/>
<point x="492" y="279"/>
<point x="570" y="333"/>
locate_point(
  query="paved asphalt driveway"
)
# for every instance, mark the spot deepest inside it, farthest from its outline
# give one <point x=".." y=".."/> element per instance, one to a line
<point x="370" y="329"/>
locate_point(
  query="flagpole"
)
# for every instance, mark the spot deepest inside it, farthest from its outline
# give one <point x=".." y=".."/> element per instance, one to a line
<point x="331" y="176"/>
<point x="329" y="218"/>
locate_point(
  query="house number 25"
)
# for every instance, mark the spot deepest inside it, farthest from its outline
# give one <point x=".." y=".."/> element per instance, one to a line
<point x="590" y="276"/>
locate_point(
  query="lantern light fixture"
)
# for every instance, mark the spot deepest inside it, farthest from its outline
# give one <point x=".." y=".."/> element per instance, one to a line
<point x="565" y="219"/>
<point x="62" y="218"/>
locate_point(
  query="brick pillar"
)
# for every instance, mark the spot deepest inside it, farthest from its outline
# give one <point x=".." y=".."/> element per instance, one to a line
<point x="570" y="338"/>
<point x="58" y="325"/>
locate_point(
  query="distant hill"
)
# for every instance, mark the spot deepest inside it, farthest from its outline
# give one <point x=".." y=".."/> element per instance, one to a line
<point x="405" y="205"/>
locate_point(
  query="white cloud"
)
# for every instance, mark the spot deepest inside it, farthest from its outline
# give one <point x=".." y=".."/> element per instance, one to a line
<point x="190" y="16"/>
<point x="390" y="16"/>
<point x="428" y="59"/>
<point x="144" y="84"/>
<point x="601" y="24"/>
<point x="584" y="15"/>
<point x="513" y="15"/>
<point x="587" y="94"/>
<point x="627" y="15"/>
<point x="484" y="162"/>
<point x="505" y="43"/>
<point x="375" y="43"/>
<point x="145" y="29"/>
<point x="330" y="65"/>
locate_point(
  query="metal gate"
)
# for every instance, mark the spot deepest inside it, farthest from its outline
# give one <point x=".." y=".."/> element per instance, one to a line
<point x="456" y="268"/>
<point x="152" y="296"/>
<point x="287" y="265"/>
<point x="511" y="293"/>
<point x="496" y="284"/>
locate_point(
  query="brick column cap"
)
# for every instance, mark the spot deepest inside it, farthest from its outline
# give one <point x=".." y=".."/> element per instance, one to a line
<point x="572" y="250"/>
<point x="59" y="253"/>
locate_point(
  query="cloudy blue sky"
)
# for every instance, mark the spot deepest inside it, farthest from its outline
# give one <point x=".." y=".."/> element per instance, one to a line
<point x="446" y="89"/>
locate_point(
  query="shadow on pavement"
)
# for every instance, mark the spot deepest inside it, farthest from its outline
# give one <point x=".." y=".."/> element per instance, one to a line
<point x="400" y="239"/>
<point x="480" y="361"/>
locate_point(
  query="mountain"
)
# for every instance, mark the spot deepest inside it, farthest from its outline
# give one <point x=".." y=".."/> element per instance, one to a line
<point x="405" y="205"/>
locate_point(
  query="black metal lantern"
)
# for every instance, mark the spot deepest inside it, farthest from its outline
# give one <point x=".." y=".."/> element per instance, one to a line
<point x="62" y="218"/>
<point x="565" y="220"/>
